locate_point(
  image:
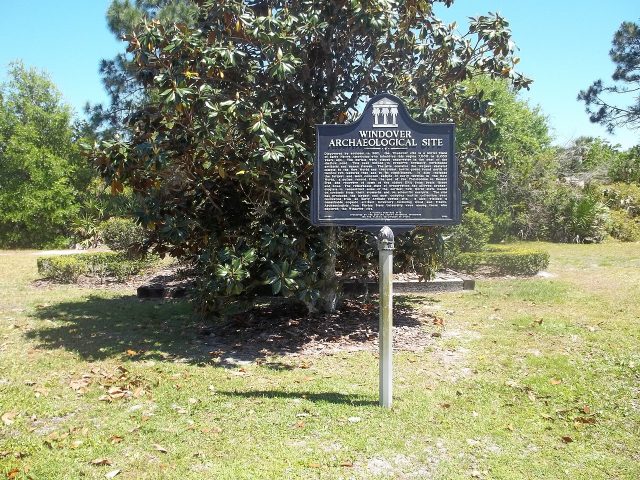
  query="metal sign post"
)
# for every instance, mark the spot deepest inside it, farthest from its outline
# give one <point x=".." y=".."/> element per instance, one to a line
<point x="385" y="335"/>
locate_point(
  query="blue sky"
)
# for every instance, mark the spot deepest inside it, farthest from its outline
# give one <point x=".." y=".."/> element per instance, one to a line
<point x="564" y="46"/>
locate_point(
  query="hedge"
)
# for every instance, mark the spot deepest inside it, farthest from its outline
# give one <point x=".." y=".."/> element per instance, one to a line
<point x="502" y="261"/>
<point x="68" y="268"/>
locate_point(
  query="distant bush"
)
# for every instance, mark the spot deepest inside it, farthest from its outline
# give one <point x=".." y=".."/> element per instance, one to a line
<point x="624" y="227"/>
<point x="119" y="234"/>
<point x="69" y="268"/>
<point x="502" y="261"/>
<point x="576" y="216"/>
<point x="473" y="233"/>
<point x="626" y="166"/>
<point x="623" y="196"/>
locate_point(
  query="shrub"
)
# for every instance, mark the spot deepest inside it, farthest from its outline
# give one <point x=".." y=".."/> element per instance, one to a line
<point x="68" y="268"/>
<point x="502" y="261"/>
<point x="467" y="262"/>
<point x="623" y="227"/>
<point x="420" y="251"/>
<point x="62" y="268"/>
<point x="473" y="233"/>
<point x="623" y="196"/>
<point x="119" y="234"/>
<point x="576" y="216"/>
<point x="626" y="166"/>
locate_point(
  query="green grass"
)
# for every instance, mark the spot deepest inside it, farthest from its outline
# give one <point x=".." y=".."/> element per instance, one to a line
<point x="521" y="364"/>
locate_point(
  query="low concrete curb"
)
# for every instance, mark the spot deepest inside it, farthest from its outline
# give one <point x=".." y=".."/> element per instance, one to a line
<point x="448" y="283"/>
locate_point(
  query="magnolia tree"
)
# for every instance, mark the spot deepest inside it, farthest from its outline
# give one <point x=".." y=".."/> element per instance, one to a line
<point x="220" y="144"/>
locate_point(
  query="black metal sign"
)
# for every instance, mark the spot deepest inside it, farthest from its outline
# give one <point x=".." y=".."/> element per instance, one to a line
<point x="385" y="169"/>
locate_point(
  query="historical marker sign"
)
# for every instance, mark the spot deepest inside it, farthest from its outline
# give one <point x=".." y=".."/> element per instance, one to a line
<point x="385" y="169"/>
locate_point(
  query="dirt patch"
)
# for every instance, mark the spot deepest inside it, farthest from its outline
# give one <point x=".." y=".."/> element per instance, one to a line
<point x="401" y="466"/>
<point x="288" y="330"/>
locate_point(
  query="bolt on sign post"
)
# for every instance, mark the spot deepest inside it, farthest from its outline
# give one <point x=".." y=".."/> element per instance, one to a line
<point x="385" y="172"/>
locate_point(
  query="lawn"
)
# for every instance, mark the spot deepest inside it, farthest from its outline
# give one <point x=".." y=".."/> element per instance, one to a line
<point x="530" y="379"/>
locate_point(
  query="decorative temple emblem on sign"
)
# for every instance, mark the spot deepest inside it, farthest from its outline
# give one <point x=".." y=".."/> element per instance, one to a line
<point x="385" y="113"/>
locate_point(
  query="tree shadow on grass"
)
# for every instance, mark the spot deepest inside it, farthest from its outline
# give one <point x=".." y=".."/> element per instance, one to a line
<point x="324" y="397"/>
<point x="98" y="328"/>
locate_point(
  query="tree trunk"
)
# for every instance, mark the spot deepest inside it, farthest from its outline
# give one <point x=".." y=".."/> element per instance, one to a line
<point x="328" y="284"/>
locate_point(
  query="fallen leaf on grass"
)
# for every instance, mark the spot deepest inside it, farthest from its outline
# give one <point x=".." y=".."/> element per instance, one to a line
<point x="80" y="386"/>
<point x="314" y="465"/>
<point x="180" y="410"/>
<point x="40" y="392"/>
<point x="567" y="439"/>
<point x="159" y="448"/>
<point x="100" y="462"/>
<point x="115" y="439"/>
<point x="75" y="444"/>
<point x="346" y="463"/>
<point x="16" y="455"/>
<point x="589" y="420"/>
<point x="555" y="381"/>
<point x="117" y="392"/>
<point x="586" y="409"/>
<point x="11" y="474"/>
<point x="445" y="405"/>
<point x="131" y="353"/>
<point x="139" y="392"/>
<point x="9" y="417"/>
<point x="581" y="421"/>
<point x="112" y="474"/>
